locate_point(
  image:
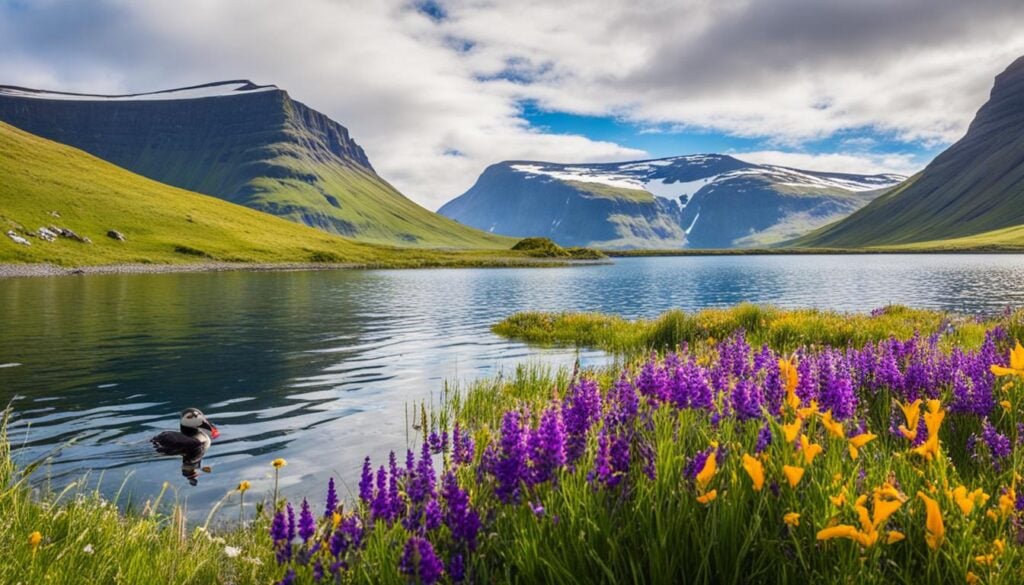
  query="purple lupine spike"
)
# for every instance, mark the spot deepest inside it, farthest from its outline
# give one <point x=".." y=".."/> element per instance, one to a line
<point x="352" y="528"/>
<point x="318" y="571"/>
<point x="288" y="579"/>
<point x="419" y="561"/>
<point x="625" y="402"/>
<point x="421" y="485"/>
<point x="457" y="568"/>
<point x="395" y="501"/>
<point x="366" y="482"/>
<point x="380" y="507"/>
<point x="434" y="440"/>
<point x="653" y="381"/>
<point x="764" y="438"/>
<point x="432" y="515"/>
<point x="602" y="471"/>
<point x="291" y="522"/>
<point x="462" y="520"/>
<point x="307" y="525"/>
<point x="747" y="400"/>
<point x="279" y="527"/>
<point x="510" y="466"/>
<point x="998" y="444"/>
<point x="410" y="463"/>
<point x="338" y="544"/>
<point x="332" y="498"/>
<point x="581" y="409"/>
<point x="547" y="446"/>
<point x="836" y="387"/>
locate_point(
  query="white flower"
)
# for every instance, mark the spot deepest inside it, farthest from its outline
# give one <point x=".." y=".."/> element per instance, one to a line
<point x="232" y="551"/>
<point x="88" y="549"/>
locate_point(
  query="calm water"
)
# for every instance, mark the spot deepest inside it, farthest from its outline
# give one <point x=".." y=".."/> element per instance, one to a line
<point x="318" y="367"/>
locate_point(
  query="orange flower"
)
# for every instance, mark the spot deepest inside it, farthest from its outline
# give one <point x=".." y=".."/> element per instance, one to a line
<point x="912" y="412"/>
<point x="791" y="430"/>
<point x="810" y="450"/>
<point x="793" y="474"/>
<point x="1016" y="363"/>
<point x="834" y="428"/>
<point x="792" y="518"/>
<point x="935" y="531"/>
<point x="933" y="421"/>
<point x="708" y="497"/>
<point x="859" y="441"/>
<point x="791" y="378"/>
<point x="755" y="470"/>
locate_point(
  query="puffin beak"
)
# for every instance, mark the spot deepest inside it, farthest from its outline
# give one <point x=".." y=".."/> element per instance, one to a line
<point x="214" y="433"/>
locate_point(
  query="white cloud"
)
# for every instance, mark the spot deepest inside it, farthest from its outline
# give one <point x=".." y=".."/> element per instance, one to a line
<point x="838" y="162"/>
<point x="787" y="70"/>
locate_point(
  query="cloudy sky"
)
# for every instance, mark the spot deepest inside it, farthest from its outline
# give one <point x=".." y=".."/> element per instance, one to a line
<point x="437" y="90"/>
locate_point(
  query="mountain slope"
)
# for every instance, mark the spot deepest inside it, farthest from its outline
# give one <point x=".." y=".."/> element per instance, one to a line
<point x="697" y="201"/>
<point x="973" y="187"/>
<point x="49" y="184"/>
<point x="248" y="144"/>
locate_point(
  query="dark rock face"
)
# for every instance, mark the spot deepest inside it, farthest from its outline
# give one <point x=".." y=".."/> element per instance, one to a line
<point x="974" y="186"/>
<point x="697" y="201"/>
<point x="217" y="146"/>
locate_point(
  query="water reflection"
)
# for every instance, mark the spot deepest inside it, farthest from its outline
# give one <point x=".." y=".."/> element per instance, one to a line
<point x="321" y="367"/>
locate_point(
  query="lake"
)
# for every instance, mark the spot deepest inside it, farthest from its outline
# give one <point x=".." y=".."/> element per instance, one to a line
<point x="320" y="367"/>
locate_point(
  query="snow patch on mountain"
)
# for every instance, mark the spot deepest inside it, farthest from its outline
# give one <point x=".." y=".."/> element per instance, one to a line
<point x="220" y="89"/>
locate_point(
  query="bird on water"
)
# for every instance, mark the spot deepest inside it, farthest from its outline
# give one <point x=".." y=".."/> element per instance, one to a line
<point x="190" y="443"/>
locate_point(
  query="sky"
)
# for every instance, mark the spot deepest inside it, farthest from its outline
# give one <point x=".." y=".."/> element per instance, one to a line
<point x="437" y="90"/>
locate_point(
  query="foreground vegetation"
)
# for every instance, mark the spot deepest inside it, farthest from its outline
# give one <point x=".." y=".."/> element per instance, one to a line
<point x="874" y="455"/>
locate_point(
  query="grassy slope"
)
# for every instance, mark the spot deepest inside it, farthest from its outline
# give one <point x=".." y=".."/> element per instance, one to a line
<point x="93" y="196"/>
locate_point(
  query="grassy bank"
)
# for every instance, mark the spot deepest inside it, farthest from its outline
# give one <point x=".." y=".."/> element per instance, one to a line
<point x="783" y="330"/>
<point x="1008" y="241"/>
<point x="893" y="459"/>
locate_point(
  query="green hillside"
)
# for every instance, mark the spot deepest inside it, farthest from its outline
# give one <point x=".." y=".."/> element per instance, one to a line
<point x="162" y="224"/>
<point x="254" y="146"/>
<point x="974" y="189"/>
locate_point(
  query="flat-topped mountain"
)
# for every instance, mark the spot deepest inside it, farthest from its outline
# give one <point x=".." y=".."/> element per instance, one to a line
<point x="695" y="201"/>
<point x="973" y="187"/>
<point x="246" y="143"/>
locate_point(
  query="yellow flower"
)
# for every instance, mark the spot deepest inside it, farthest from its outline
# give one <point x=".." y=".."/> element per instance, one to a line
<point x="1006" y="387"/>
<point x="34" y="539"/>
<point x="708" y="497"/>
<point x="1007" y="501"/>
<point x="984" y="559"/>
<point x="935" y="532"/>
<point x="1006" y="405"/>
<point x="791" y="430"/>
<point x="835" y="428"/>
<point x="999" y="545"/>
<point x="933" y="421"/>
<point x="793" y="474"/>
<point x="1016" y="363"/>
<point x="243" y="486"/>
<point x="279" y="463"/>
<point x="911" y="412"/>
<point x="791" y="378"/>
<point x="966" y="501"/>
<point x="792" y="518"/>
<point x="858" y="442"/>
<point x="708" y="471"/>
<point x="894" y="536"/>
<point x="335" y="520"/>
<point x="810" y="450"/>
<point x="807" y="411"/>
<point x="755" y="470"/>
<point x="839" y="500"/>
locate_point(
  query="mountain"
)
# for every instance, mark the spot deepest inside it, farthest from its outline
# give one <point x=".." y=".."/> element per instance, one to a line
<point x="51" y="191"/>
<point x="696" y="201"/>
<point x="974" y="187"/>
<point x="245" y="143"/>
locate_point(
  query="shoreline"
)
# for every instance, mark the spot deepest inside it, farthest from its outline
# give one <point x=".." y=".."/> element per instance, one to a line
<point x="36" y="270"/>
<point x="805" y="252"/>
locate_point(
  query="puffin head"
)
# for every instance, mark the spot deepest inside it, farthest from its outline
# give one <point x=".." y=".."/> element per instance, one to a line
<point x="192" y="419"/>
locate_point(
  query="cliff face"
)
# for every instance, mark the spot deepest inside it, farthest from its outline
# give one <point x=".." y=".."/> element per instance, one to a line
<point x="248" y="144"/>
<point x="974" y="186"/>
<point x="697" y="201"/>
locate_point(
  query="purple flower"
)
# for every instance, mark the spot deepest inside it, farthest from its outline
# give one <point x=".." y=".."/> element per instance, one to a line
<point x="289" y="578"/>
<point x="419" y="561"/>
<point x="602" y="470"/>
<point x="332" y="498"/>
<point x="318" y="571"/>
<point x="279" y="527"/>
<point x="432" y="515"/>
<point x="746" y="400"/>
<point x="397" y="505"/>
<point x="366" y="483"/>
<point x="998" y="443"/>
<point x="291" y="522"/>
<point x="653" y="381"/>
<point x="547" y="446"/>
<point x="307" y="526"/>
<point x="421" y="485"/>
<point x="510" y="464"/>
<point x="457" y="568"/>
<point x="380" y="507"/>
<point x="582" y="408"/>
<point x="764" y="438"/>
<point x="462" y="446"/>
<point x="459" y="517"/>
<point x="434" y="440"/>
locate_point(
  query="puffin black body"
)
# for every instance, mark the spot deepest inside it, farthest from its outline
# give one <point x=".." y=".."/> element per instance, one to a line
<point x="190" y="443"/>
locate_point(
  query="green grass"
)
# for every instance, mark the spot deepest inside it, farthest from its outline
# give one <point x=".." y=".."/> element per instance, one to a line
<point x="653" y="532"/>
<point x="603" y="191"/>
<point x="545" y="248"/>
<point x="781" y="329"/>
<point x="163" y="224"/>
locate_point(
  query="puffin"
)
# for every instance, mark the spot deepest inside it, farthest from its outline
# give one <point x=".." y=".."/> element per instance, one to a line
<point x="190" y="443"/>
